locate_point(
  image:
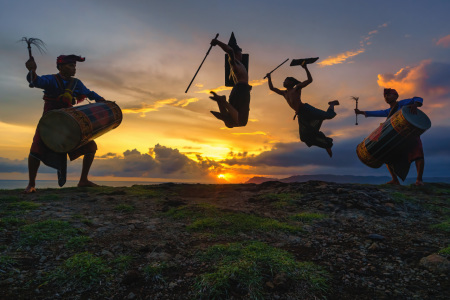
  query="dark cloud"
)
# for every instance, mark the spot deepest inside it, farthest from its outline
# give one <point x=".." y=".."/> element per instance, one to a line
<point x="345" y="160"/>
<point x="160" y="162"/>
<point x="13" y="165"/>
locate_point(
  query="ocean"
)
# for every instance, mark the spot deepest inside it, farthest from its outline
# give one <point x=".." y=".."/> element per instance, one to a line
<point x="43" y="184"/>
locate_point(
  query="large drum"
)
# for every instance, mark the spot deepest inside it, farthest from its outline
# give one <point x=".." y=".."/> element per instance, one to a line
<point x="382" y="143"/>
<point x="64" y="130"/>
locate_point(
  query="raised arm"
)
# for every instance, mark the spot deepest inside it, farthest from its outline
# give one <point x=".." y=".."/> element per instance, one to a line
<point x="307" y="81"/>
<point x="31" y="66"/>
<point x="271" y="87"/>
<point x="227" y="49"/>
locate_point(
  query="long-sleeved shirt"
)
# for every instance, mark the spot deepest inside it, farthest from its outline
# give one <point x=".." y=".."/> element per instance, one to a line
<point x="401" y="103"/>
<point x="51" y="89"/>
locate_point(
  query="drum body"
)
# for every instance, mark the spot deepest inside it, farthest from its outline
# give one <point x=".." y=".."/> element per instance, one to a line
<point x="64" y="130"/>
<point x="382" y="143"/>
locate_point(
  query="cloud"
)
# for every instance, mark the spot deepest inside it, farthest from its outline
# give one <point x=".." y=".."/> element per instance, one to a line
<point x="444" y="42"/>
<point x="159" y="162"/>
<point x="342" y="57"/>
<point x="428" y="79"/>
<point x="253" y="83"/>
<point x="250" y="133"/>
<point x="146" y="108"/>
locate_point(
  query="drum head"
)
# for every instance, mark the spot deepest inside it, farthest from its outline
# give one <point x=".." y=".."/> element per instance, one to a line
<point x="420" y="120"/>
<point x="59" y="131"/>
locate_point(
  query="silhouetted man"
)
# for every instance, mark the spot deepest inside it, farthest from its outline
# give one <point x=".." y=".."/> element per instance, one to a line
<point x="61" y="90"/>
<point x="234" y="112"/>
<point x="412" y="149"/>
<point x="309" y="118"/>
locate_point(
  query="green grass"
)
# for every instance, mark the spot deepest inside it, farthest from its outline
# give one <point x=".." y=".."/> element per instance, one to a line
<point x="82" y="219"/>
<point x="11" y="207"/>
<point x="23" y="206"/>
<point x="122" y="262"/>
<point x="49" y="198"/>
<point x="308" y="217"/>
<point x="445" y="226"/>
<point x="9" y="199"/>
<point x="78" y="242"/>
<point x="6" y="261"/>
<point x="10" y="221"/>
<point x="209" y="218"/>
<point x="244" y="269"/>
<point x="154" y="271"/>
<point x="401" y="198"/>
<point x="445" y="251"/>
<point x="46" y="231"/>
<point x="148" y="191"/>
<point x="83" y="270"/>
<point x="280" y="200"/>
<point x="124" y="208"/>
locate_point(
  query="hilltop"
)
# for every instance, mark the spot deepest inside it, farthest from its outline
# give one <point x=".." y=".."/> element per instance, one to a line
<point x="273" y="240"/>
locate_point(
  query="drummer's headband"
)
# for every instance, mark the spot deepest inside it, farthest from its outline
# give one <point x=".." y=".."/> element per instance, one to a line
<point x="69" y="59"/>
<point x="390" y="91"/>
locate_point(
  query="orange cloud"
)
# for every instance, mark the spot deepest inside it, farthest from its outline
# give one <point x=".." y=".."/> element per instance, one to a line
<point x="444" y="42"/>
<point x="256" y="82"/>
<point x="250" y="133"/>
<point x="405" y="81"/>
<point x="340" y="58"/>
<point x="146" y="108"/>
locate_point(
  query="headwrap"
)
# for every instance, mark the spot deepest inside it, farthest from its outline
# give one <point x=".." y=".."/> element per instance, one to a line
<point x="390" y="91"/>
<point x="233" y="44"/>
<point x="69" y="59"/>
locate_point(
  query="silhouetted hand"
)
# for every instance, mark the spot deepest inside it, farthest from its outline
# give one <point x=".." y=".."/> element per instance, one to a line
<point x="359" y="112"/>
<point x="31" y="64"/>
<point x="214" y="42"/>
<point x="413" y="109"/>
<point x="268" y="76"/>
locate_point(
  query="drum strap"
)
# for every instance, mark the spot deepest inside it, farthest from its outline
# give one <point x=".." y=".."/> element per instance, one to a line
<point x="65" y="93"/>
<point x="393" y="111"/>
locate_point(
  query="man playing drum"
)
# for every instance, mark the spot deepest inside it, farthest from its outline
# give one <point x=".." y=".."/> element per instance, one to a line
<point x="309" y="118"/>
<point x="412" y="149"/>
<point x="234" y="113"/>
<point x="61" y="90"/>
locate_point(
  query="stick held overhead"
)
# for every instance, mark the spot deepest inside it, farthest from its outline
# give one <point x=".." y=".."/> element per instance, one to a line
<point x="356" y="99"/>
<point x="276" y="68"/>
<point x="217" y="35"/>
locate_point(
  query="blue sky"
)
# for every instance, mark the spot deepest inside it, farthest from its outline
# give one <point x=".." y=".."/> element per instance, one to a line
<point x="143" y="54"/>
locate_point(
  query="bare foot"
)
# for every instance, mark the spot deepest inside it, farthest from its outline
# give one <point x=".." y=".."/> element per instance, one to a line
<point x="419" y="183"/>
<point x="29" y="190"/>
<point x="393" y="182"/>
<point x="217" y="98"/>
<point x="86" y="183"/>
<point x="330" y="153"/>
<point x="334" y="102"/>
<point x="216" y="114"/>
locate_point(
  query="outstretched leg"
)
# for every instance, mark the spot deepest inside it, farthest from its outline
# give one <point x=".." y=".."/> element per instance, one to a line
<point x="33" y="166"/>
<point x="87" y="163"/>
<point x="226" y="109"/>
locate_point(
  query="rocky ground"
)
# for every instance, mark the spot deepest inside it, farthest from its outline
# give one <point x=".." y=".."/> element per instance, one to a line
<point x="148" y="242"/>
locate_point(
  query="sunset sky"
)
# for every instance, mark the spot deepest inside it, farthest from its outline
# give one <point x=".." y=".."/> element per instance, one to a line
<point x="143" y="54"/>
